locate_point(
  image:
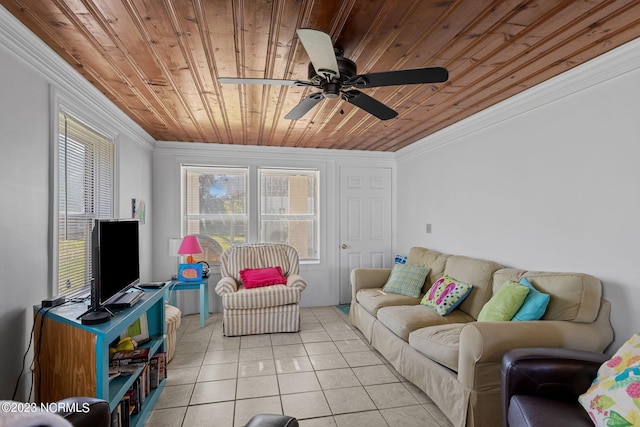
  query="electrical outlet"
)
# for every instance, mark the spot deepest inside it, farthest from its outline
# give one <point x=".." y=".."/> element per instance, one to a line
<point x="428" y="228"/>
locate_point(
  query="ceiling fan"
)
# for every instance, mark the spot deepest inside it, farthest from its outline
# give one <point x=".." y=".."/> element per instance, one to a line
<point x="337" y="77"/>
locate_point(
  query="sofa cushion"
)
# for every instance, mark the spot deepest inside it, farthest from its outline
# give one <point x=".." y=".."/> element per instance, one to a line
<point x="439" y="343"/>
<point x="266" y="296"/>
<point x="537" y="411"/>
<point x="373" y="299"/>
<point x="431" y="259"/>
<point x="402" y="320"/>
<point x="445" y="295"/>
<point x="504" y="304"/>
<point x="574" y="296"/>
<point x="479" y="274"/>
<point x="406" y="280"/>
<point x="534" y="305"/>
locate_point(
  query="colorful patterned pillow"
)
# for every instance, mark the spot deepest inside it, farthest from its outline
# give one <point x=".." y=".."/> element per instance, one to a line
<point x="445" y="295"/>
<point x="534" y="305"/>
<point x="504" y="304"/>
<point x="406" y="280"/>
<point x="614" y="396"/>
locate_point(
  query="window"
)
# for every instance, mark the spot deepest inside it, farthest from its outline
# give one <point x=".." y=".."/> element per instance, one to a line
<point x="85" y="192"/>
<point x="289" y="209"/>
<point x="217" y="208"/>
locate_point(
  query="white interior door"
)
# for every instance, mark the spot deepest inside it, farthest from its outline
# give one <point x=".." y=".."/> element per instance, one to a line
<point x="365" y="222"/>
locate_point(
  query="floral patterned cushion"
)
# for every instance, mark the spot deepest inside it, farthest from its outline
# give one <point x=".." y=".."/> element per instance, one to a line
<point x="614" y="396"/>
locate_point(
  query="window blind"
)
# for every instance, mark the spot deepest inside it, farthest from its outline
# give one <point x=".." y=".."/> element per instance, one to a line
<point x="86" y="177"/>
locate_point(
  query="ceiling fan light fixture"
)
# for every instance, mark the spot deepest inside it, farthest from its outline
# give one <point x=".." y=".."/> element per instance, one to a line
<point x="331" y="90"/>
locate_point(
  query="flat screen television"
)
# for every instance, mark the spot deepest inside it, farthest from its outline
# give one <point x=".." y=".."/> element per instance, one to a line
<point x="115" y="259"/>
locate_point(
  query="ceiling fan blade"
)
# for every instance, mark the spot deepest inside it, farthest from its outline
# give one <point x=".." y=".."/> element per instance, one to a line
<point x="304" y="106"/>
<point x="369" y="104"/>
<point x="400" y="77"/>
<point x="278" y="82"/>
<point x="320" y="50"/>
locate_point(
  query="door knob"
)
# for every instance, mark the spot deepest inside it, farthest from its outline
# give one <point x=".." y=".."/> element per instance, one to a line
<point x="344" y="246"/>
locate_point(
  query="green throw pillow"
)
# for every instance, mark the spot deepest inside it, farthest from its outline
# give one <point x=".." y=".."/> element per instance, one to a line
<point x="406" y="280"/>
<point x="534" y="305"/>
<point x="504" y="304"/>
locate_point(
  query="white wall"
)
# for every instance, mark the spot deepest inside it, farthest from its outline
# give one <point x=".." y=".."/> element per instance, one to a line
<point x="24" y="217"/>
<point x="322" y="278"/>
<point x="32" y="82"/>
<point x="548" y="180"/>
<point x="134" y="177"/>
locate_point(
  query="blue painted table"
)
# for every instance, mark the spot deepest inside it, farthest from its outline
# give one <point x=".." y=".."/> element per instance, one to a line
<point x="201" y="285"/>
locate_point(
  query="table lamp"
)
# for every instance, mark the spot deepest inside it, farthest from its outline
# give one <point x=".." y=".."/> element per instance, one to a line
<point x="190" y="245"/>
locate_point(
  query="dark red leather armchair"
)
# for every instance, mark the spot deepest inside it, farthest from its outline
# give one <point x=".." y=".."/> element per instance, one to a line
<point x="540" y="386"/>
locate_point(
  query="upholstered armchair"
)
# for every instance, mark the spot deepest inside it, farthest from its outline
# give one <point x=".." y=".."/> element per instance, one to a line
<point x="540" y="386"/>
<point x="263" y="309"/>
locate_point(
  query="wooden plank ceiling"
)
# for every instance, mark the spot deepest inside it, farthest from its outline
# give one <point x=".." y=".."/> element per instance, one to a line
<point x="159" y="60"/>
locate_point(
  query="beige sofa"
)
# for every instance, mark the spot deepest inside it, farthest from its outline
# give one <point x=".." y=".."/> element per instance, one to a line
<point x="455" y="359"/>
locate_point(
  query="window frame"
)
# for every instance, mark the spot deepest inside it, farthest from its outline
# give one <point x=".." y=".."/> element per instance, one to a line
<point x="62" y="104"/>
<point x="253" y="198"/>
<point x="184" y="170"/>
<point x="316" y="216"/>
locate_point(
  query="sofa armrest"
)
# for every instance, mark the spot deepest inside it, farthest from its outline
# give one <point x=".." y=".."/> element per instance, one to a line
<point x="226" y="285"/>
<point x="483" y="344"/>
<point x="363" y="278"/>
<point x="296" y="281"/>
<point x="555" y="373"/>
<point x="85" y="411"/>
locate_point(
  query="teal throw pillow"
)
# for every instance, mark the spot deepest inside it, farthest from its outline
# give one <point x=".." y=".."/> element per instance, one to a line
<point x="504" y="304"/>
<point x="534" y="305"/>
<point x="406" y="280"/>
<point x="445" y="295"/>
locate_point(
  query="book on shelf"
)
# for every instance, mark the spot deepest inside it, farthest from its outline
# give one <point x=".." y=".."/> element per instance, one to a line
<point x="153" y="373"/>
<point x="121" y="417"/>
<point x="126" y="411"/>
<point x="116" y="417"/>
<point x="131" y="357"/>
<point x="157" y="369"/>
<point x="134" y="398"/>
<point x="113" y="372"/>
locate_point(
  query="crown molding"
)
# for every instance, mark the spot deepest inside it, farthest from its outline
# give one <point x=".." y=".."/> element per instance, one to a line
<point x="612" y="64"/>
<point x="268" y="152"/>
<point x="28" y="48"/>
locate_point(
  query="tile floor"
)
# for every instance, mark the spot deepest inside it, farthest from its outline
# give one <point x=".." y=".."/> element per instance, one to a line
<point x="325" y="375"/>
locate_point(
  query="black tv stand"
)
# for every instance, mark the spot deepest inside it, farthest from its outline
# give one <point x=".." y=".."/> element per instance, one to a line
<point x="95" y="316"/>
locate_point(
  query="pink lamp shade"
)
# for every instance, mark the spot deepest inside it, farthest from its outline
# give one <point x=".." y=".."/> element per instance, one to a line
<point x="189" y="246"/>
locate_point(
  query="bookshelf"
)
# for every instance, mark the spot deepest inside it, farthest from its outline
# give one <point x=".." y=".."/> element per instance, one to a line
<point x="72" y="359"/>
